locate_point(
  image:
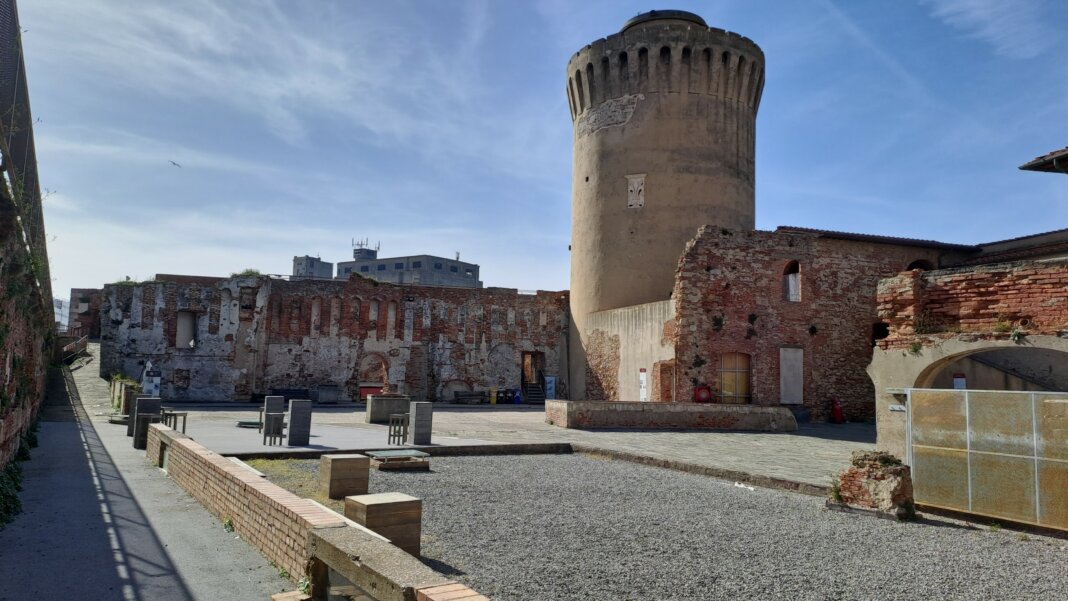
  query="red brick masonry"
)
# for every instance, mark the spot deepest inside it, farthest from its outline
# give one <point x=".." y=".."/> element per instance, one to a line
<point x="269" y="517"/>
<point x="604" y="414"/>
<point x="989" y="301"/>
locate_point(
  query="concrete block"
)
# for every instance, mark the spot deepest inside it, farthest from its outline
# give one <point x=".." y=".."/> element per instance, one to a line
<point x="420" y="422"/>
<point x="299" y="429"/>
<point x="344" y="475"/>
<point x="149" y="408"/>
<point x="380" y="407"/>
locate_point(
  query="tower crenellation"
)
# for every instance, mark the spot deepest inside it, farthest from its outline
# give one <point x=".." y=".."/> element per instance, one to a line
<point x="666" y="58"/>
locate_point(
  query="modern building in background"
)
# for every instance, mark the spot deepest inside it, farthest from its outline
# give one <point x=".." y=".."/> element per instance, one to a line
<point x="312" y="267"/>
<point x="424" y="270"/>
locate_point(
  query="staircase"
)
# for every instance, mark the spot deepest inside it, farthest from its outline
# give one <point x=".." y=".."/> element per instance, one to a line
<point x="533" y="394"/>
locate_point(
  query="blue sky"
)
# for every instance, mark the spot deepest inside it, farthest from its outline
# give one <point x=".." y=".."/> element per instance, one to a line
<point x="436" y="127"/>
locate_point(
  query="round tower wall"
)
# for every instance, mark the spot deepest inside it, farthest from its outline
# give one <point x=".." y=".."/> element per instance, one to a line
<point x="664" y="140"/>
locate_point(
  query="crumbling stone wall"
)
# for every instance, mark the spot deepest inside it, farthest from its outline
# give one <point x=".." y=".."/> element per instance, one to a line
<point x="257" y="334"/>
<point x="729" y="297"/>
<point x="602" y="366"/>
<point x="986" y="302"/>
<point x="877" y="480"/>
<point x="26" y="333"/>
<point x="84" y="316"/>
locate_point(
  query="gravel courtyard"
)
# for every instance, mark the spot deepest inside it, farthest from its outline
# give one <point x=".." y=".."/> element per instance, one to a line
<point x="571" y="527"/>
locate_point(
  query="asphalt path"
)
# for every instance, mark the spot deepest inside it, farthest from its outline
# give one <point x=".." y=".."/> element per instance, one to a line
<point x="99" y="522"/>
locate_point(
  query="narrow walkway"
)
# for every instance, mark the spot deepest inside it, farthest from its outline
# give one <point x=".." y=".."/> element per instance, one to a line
<point x="99" y="523"/>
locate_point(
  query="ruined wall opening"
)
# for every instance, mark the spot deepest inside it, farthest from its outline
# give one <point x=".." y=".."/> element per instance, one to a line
<point x="791" y="282"/>
<point x="921" y="264"/>
<point x="185" y="331"/>
<point x="879" y="331"/>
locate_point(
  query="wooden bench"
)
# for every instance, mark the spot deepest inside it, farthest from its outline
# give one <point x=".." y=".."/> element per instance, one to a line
<point x="404" y="459"/>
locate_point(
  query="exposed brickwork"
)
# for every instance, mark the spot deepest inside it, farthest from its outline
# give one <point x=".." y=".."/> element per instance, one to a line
<point x="269" y="517"/>
<point x="84" y="316"/>
<point x="879" y="481"/>
<point x="25" y="336"/>
<point x="983" y="302"/>
<point x="257" y="334"/>
<point x="448" y="592"/>
<point x="690" y="416"/>
<point x="662" y="382"/>
<point x="729" y="297"/>
<point x="602" y="365"/>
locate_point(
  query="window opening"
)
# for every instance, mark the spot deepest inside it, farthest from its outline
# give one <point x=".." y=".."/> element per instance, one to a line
<point x="791" y="282"/>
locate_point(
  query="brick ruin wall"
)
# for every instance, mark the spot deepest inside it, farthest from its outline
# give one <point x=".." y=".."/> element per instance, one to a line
<point x="256" y="334"/>
<point x="987" y="302"/>
<point x="602" y="365"/>
<point x="26" y="334"/>
<point x="84" y="316"/>
<point x="729" y="297"/>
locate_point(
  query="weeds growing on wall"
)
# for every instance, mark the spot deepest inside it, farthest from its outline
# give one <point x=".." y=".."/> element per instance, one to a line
<point x="10" y="485"/>
<point x="11" y="477"/>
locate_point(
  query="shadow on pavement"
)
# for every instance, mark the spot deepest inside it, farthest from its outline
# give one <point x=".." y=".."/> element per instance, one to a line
<point x="82" y="535"/>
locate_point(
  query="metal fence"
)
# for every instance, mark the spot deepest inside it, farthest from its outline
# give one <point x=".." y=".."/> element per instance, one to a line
<point x="998" y="454"/>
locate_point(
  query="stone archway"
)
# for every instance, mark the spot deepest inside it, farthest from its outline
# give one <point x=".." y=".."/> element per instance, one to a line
<point x="896" y="369"/>
<point x="374" y="371"/>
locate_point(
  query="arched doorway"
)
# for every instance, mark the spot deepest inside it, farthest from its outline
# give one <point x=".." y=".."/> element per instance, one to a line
<point x="373" y="374"/>
<point x="1010" y="368"/>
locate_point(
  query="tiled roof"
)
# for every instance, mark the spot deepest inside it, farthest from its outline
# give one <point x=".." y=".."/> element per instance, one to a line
<point x="875" y="238"/>
<point x="1056" y="162"/>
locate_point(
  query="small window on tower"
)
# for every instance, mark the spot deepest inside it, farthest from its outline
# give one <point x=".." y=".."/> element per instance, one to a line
<point x="636" y="191"/>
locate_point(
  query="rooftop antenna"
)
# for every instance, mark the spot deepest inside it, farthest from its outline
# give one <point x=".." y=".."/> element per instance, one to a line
<point x="457" y="255"/>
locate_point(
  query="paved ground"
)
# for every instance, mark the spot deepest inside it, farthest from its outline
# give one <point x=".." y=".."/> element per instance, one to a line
<point x="812" y="455"/>
<point x="100" y="524"/>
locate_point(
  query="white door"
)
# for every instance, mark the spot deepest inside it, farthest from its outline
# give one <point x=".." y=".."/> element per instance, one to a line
<point x="791" y="376"/>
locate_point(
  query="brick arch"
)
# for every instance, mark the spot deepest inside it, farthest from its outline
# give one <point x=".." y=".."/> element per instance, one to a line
<point x="374" y="368"/>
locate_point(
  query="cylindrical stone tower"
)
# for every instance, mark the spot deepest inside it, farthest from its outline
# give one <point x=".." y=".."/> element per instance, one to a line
<point x="664" y="117"/>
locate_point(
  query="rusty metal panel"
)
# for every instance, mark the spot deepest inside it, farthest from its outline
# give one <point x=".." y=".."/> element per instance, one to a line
<point x="1003" y="486"/>
<point x="1052" y="413"/>
<point x="1000" y="422"/>
<point x="940" y="477"/>
<point x="939" y="418"/>
<point x="1053" y="493"/>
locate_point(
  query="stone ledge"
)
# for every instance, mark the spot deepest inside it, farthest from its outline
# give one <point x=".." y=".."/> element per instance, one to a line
<point x="668" y="416"/>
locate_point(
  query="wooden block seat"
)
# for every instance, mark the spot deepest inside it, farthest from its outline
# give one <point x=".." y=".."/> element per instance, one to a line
<point x="394" y="515"/>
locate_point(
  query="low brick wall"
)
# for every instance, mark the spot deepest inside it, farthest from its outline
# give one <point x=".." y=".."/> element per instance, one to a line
<point x="299" y="535"/>
<point x="602" y="414"/>
<point x="274" y="520"/>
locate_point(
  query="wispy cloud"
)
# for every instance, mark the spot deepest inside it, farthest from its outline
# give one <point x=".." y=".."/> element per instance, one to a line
<point x="861" y="37"/>
<point x="126" y="148"/>
<point x="1015" y="28"/>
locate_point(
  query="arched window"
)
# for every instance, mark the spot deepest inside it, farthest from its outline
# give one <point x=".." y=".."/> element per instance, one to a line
<point x="791" y="282"/>
<point x="734" y="378"/>
<point x="921" y="264"/>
